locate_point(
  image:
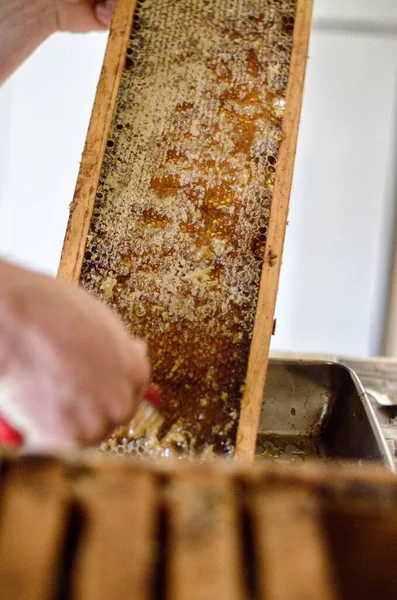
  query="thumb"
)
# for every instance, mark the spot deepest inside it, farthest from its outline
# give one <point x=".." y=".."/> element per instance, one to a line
<point x="104" y="11"/>
<point x="139" y="362"/>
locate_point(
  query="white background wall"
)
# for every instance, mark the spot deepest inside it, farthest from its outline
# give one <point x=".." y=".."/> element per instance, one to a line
<point x="334" y="280"/>
<point x="44" y="113"/>
<point x="335" y="273"/>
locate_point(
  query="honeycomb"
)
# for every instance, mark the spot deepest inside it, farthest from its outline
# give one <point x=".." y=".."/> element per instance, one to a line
<point x="178" y="232"/>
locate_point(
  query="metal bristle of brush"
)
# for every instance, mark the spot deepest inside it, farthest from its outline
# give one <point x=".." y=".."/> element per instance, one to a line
<point x="148" y="417"/>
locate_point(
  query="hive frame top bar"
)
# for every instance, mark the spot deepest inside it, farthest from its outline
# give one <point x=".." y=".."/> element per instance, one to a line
<point x="90" y="170"/>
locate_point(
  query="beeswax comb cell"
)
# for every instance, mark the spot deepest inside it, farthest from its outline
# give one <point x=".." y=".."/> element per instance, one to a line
<point x="180" y="228"/>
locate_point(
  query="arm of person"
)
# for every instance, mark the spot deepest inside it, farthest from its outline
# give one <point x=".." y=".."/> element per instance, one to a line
<point x="25" y="24"/>
<point x="69" y="370"/>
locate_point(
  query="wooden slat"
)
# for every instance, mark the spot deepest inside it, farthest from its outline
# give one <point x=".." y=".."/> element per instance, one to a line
<point x="91" y="163"/>
<point x="363" y="539"/>
<point x="260" y="343"/>
<point x="32" y="526"/>
<point x="204" y="559"/>
<point x="115" y="553"/>
<point x="291" y="554"/>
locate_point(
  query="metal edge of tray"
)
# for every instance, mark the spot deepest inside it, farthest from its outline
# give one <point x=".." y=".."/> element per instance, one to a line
<point x="387" y="458"/>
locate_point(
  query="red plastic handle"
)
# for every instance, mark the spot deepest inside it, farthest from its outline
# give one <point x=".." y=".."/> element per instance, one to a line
<point x="153" y="396"/>
<point x="8" y="435"/>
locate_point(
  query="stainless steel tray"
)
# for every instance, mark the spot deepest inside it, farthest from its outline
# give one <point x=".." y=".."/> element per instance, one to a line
<point x="318" y="409"/>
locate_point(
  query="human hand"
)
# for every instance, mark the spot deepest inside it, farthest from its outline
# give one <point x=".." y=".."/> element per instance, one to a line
<point x="69" y="371"/>
<point x="80" y="16"/>
<point x="25" y="24"/>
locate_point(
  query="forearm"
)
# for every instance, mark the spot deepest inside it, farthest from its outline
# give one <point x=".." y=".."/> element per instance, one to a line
<point x="24" y="25"/>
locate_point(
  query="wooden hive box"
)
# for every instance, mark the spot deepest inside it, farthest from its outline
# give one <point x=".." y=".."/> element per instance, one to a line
<point x="180" y="208"/>
<point x="116" y="529"/>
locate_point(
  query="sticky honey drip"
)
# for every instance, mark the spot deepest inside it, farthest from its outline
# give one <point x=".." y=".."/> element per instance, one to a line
<point x="179" y="226"/>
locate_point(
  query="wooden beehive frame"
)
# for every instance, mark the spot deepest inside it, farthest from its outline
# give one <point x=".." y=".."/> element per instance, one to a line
<point x="90" y="169"/>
